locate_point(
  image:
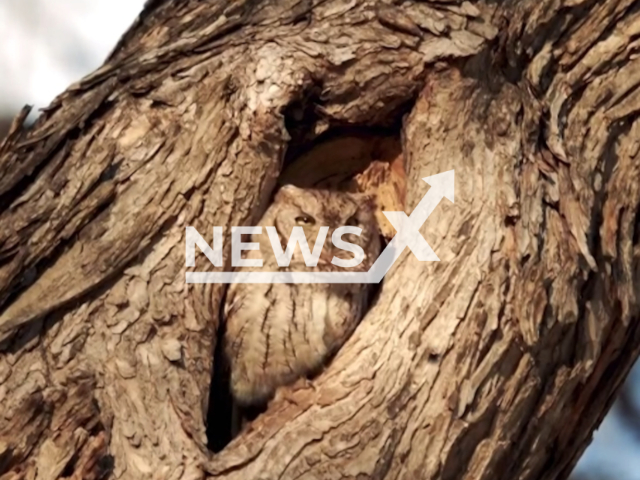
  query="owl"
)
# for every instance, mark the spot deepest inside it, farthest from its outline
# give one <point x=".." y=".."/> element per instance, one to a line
<point x="278" y="333"/>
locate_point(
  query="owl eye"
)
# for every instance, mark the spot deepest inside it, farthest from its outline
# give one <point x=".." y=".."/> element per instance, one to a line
<point x="305" y="220"/>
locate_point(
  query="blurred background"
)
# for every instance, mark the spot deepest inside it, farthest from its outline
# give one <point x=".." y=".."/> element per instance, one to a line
<point x="45" y="45"/>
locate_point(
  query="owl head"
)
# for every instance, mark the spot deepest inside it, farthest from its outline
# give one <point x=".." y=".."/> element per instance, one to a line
<point x="312" y="209"/>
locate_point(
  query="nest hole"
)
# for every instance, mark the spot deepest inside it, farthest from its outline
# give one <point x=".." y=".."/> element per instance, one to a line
<point x="352" y="159"/>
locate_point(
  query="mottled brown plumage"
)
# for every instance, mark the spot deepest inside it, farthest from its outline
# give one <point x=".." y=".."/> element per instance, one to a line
<point x="277" y="333"/>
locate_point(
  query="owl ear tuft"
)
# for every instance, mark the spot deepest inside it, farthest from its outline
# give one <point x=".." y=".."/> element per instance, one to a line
<point x="367" y="201"/>
<point x="286" y="191"/>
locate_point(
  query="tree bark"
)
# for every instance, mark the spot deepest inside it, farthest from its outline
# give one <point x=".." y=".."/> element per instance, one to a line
<point x="496" y="362"/>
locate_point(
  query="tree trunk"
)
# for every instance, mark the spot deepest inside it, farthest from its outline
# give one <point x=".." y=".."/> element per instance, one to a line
<point x="496" y="362"/>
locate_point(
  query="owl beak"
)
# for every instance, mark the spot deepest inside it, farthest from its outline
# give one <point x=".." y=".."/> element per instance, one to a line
<point x="326" y="257"/>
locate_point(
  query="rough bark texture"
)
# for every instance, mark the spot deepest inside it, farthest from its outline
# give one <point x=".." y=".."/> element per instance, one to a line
<point x="497" y="362"/>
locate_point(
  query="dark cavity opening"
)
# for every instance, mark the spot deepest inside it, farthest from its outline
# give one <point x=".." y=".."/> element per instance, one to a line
<point x="329" y="160"/>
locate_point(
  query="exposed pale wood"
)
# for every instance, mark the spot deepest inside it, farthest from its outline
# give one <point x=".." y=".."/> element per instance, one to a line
<point x="497" y="362"/>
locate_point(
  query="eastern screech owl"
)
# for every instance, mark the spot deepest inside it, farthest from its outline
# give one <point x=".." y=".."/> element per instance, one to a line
<point x="277" y="333"/>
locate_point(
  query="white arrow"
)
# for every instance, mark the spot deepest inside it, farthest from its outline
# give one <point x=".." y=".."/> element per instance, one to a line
<point x="408" y="228"/>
